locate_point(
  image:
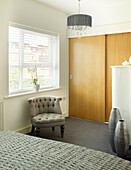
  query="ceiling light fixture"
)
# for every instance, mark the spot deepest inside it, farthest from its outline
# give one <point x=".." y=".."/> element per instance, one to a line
<point x="79" y="22"/>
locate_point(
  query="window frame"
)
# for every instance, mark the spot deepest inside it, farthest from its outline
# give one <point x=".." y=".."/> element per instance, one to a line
<point x="31" y="65"/>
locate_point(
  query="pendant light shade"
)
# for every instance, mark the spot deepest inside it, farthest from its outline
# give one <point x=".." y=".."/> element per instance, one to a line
<point x="79" y="23"/>
<point x="79" y="20"/>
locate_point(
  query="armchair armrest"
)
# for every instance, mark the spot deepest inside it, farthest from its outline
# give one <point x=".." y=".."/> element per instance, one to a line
<point x="32" y="107"/>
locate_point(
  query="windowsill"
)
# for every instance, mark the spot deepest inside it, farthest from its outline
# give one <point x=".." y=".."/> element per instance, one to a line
<point x="31" y="92"/>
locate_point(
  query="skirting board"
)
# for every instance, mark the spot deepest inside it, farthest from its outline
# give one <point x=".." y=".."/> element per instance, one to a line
<point x="25" y="130"/>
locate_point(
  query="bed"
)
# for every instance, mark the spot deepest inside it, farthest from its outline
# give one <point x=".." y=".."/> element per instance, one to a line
<point x="20" y="151"/>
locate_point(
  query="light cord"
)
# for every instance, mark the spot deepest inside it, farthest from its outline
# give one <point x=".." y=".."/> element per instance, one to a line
<point x="79" y="5"/>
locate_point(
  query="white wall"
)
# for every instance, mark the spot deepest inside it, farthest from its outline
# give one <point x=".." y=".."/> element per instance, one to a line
<point x="30" y="13"/>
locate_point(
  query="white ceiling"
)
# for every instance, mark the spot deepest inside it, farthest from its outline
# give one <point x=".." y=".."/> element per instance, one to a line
<point x="103" y="12"/>
<point x="71" y="6"/>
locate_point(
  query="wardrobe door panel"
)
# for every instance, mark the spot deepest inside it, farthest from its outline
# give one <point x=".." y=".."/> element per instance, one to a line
<point x="118" y="50"/>
<point x="87" y="78"/>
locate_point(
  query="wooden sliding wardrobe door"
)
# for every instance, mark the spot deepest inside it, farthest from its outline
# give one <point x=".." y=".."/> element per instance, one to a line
<point x="87" y="78"/>
<point x="118" y="50"/>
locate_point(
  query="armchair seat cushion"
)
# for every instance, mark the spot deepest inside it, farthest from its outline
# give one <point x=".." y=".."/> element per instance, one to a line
<point x="45" y="118"/>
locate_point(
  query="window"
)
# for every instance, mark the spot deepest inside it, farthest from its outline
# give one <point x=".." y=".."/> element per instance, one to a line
<point x="30" y="49"/>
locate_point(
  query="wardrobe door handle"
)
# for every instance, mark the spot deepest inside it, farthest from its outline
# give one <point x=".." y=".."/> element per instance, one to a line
<point x="70" y="76"/>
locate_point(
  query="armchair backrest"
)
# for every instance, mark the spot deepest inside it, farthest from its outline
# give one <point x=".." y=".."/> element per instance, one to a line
<point x="44" y="104"/>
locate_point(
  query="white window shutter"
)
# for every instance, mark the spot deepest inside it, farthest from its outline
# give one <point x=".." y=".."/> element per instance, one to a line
<point x="28" y="49"/>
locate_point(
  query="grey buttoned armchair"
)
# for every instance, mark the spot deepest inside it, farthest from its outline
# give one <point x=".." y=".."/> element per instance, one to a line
<point x="46" y="112"/>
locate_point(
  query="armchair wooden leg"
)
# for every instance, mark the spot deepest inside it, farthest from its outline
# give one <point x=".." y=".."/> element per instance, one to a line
<point x="53" y="129"/>
<point x="33" y="128"/>
<point x="37" y="131"/>
<point x="62" y="130"/>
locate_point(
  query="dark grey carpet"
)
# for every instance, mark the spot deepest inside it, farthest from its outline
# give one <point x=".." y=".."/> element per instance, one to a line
<point x="82" y="132"/>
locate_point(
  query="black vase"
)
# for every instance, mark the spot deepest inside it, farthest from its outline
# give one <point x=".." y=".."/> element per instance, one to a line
<point x="114" y="118"/>
<point x="121" y="139"/>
